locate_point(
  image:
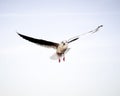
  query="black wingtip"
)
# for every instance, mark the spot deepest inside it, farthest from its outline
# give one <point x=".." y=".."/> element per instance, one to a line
<point x="101" y="26"/>
<point x="18" y="33"/>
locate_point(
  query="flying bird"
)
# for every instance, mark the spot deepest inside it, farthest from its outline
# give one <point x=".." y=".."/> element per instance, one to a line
<point x="61" y="48"/>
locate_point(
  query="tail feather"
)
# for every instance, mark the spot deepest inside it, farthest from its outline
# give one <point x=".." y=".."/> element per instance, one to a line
<point x="54" y="56"/>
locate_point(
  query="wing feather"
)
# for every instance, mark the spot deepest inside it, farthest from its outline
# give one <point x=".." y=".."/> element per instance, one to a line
<point x="78" y="36"/>
<point x="40" y="41"/>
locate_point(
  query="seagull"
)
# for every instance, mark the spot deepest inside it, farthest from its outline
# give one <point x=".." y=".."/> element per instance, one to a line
<point x="61" y="48"/>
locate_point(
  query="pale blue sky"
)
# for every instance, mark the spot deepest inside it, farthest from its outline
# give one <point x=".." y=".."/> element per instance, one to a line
<point x="92" y="65"/>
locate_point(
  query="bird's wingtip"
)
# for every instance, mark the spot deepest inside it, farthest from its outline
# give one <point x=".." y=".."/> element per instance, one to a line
<point x="101" y="26"/>
<point x="17" y="32"/>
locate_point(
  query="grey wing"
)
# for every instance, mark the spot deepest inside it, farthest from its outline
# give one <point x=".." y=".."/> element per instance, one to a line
<point x="40" y="41"/>
<point x="78" y="36"/>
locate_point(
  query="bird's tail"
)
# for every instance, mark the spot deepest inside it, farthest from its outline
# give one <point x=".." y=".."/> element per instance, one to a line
<point x="54" y="56"/>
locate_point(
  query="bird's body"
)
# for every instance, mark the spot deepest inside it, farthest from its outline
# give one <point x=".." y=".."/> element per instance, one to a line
<point x="61" y="48"/>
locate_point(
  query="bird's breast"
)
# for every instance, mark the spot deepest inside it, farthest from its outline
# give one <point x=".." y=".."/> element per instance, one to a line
<point x="62" y="49"/>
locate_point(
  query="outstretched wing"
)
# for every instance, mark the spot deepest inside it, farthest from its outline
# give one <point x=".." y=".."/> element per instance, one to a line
<point x="77" y="37"/>
<point x="40" y="41"/>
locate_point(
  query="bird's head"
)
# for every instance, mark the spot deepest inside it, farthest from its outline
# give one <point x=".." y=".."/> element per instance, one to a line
<point x="64" y="43"/>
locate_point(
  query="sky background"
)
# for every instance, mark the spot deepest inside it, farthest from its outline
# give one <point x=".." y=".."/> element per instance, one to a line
<point x="92" y="66"/>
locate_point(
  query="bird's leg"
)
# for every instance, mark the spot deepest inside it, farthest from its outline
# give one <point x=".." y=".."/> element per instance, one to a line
<point x="63" y="57"/>
<point x="59" y="60"/>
